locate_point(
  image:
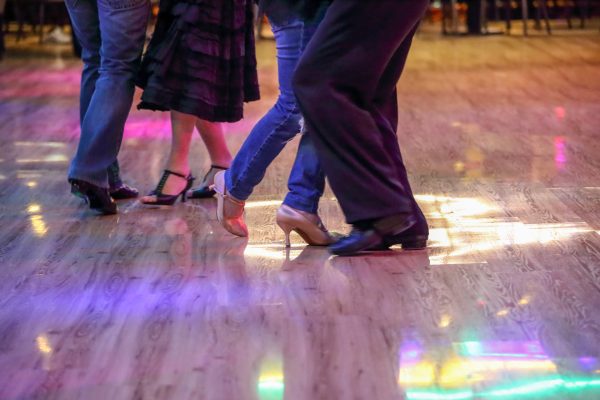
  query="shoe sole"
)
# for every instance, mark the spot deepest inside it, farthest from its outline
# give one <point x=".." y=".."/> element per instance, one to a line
<point x="93" y="201"/>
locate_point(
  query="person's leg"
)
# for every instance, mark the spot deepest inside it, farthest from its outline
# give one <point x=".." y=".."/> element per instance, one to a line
<point x="2" y="46"/>
<point x="212" y="136"/>
<point x="336" y="84"/>
<point x="122" y="25"/>
<point x="86" y="27"/>
<point x="386" y="115"/>
<point x="307" y="179"/>
<point x="266" y="141"/>
<point x="182" y="126"/>
<point x="278" y="126"/>
<point x="220" y="157"/>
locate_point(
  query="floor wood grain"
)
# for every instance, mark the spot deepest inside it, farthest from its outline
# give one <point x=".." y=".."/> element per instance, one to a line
<point x="501" y="137"/>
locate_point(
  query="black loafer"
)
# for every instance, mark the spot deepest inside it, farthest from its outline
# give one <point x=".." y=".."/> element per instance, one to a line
<point x="414" y="238"/>
<point x="124" y="192"/>
<point x="96" y="197"/>
<point x="407" y="241"/>
<point x="357" y="241"/>
<point x="375" y="238"/>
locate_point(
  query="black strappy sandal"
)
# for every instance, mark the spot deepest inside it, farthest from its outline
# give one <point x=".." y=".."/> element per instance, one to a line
<point x="169" y="199"/>
<point x="204" y="191"/>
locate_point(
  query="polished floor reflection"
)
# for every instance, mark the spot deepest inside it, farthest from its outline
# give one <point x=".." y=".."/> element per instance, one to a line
<point x="501" y="135"/>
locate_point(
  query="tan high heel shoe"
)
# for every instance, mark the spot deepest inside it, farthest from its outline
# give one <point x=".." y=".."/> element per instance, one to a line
<point x="308" y="226"/>
<point x="230" y="211"/>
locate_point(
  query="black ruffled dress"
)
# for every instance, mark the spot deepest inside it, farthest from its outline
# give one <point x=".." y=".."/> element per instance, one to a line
<point x="201" y="59"/>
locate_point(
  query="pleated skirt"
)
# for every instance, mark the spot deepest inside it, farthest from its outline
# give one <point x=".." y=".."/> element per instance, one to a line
<point x="201" y="59"/>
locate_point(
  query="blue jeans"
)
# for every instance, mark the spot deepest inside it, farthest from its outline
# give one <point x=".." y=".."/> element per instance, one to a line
<point x="112" y="34"/>
<point x="280" y="125"/>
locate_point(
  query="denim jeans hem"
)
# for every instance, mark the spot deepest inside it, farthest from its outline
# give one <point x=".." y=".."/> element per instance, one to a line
<point x="234" y="190"/>
<point x="355" y="217"/>
<point x="301" y="203"/>
<point x="102" y="184"/>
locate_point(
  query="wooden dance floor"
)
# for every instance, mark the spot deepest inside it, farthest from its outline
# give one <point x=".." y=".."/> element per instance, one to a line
<point x="501" y="136"/>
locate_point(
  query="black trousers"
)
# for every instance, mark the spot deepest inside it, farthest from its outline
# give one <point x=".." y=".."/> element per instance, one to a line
<point x="346" y="87"/>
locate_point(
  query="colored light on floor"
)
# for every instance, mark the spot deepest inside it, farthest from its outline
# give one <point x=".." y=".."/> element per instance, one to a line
<point x="516" y="391"/>
<point x="427" y="395"/>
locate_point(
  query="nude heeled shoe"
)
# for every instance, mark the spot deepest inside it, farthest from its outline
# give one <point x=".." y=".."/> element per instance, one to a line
<point x="230" y="211"/>
<point x="311" y="229"/>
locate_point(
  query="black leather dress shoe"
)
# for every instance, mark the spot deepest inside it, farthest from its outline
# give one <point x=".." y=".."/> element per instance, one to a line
<point x="124" y="192"/>
<point x="414" y="238"/>
<point x="356" y="242"/>
<point x="373" y="238"/>
<point x="98" y="198"/>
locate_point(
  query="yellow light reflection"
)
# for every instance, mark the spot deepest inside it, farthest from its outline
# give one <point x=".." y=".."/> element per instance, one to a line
<point x="445" y="321"/>
<point x="502" y="313"/>
<point x="34" y="208"/>
<point x="271" y="381"/>
<point x="264" y="203"/>
<point x="38" y="225"/>
<point x="475" y="226"/>
<point x="51" y="158"/>
<point x="525" y="300"/>
<point x="458" y="206"/>
<point x="37" y="220"/>
<point x="41" y="144"/>
<point x="31" y="184"/>
<point x="272" y="251"/>
<point x="472" y="237"/>
<point x="43" y="344"/>
<point x="420" y="374"/>
<point x="459" y="372"/>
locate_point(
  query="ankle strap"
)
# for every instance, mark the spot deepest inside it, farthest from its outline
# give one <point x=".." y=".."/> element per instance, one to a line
<point x="176" y="174"/>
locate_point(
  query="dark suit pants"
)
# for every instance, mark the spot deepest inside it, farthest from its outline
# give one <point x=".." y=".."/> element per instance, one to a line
<point x="346" y="87"/>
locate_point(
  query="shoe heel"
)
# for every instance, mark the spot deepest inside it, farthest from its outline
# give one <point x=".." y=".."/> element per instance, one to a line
<point x="417" y="244"/>
<point x="287" y="229"/>
<point x="184" y="196"/>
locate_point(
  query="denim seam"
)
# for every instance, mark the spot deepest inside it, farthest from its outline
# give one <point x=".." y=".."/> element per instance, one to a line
<point x="301" y="203"/>
<point x="246" y="170"/>
<point x="244" y="173"/>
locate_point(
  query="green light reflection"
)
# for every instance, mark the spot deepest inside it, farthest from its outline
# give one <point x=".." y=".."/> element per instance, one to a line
<point x="516" y="391"/>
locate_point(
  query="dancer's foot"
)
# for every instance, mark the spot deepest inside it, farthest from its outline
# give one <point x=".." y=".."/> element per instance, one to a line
<point x="171" y="186"/>
<point x="308" y="226"/>
<point x="374" y="237"/>
<point x="414" y="238"/>
<point x="204" y="191"/>
<point x="96" y="197"/>
<point x="230" y="211"/>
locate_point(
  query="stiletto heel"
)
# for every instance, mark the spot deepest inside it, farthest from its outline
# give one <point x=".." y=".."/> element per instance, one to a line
<point x="312" y="232"/>
<point x="287" y="229"/>
<point x="414" y="243"/>
<point x="169" y="199"/>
